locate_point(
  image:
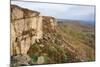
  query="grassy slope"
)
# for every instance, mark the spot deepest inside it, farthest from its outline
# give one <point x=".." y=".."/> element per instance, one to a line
<point x="81" y="38"/>
<point x="70" y="43"/>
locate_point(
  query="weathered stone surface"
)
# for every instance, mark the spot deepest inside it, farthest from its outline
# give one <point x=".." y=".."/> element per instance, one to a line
<point x="19" y="13"/>
<point x="19" y="26"/>
<point x="16" y="12"/>
<point x="39" y="28"/>
<point x="30" y="13"/>
<point x="49" y="24"/>
<point x="21" y="60"/>
<point x="13" y="36"/>
<point x="31" y="22"/>
<point x="25" y="45"/>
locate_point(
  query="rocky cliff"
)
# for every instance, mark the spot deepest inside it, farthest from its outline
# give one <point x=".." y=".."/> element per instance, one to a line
<point x="27" y="28"/>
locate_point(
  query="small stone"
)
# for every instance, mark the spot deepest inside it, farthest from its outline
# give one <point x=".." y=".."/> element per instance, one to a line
<point x="22" y="60"/>
<point x="40" y="60"/>
<point x="41" y="45"/>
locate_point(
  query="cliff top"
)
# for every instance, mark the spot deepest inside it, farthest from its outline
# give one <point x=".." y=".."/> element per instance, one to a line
<point x="25" y="9"/>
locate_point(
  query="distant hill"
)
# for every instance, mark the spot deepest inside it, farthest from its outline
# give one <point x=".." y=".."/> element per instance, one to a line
<point x="81" y="21"/>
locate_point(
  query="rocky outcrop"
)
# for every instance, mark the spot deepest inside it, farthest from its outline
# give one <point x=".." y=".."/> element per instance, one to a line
<point x="27" y="28"/>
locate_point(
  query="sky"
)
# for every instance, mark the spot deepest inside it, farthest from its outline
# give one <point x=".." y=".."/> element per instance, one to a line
<point x="61" y="11"/>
